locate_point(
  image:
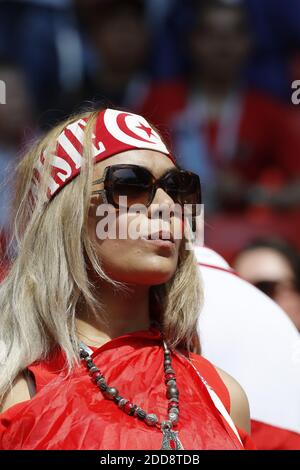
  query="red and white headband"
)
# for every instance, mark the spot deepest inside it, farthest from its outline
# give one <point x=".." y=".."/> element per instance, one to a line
<point x="115" y="132"/>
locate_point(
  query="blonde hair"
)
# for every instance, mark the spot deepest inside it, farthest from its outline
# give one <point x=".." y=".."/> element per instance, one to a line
<point x="48" y="275"/>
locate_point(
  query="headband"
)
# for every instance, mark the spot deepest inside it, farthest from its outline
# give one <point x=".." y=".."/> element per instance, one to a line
<point x="115" y="132"/>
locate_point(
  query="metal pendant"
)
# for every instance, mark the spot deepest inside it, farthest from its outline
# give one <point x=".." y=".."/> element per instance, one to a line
<point x="170" y="439"/>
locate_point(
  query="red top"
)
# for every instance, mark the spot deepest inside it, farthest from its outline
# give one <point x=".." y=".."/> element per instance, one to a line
<point x="268" y="437"/>
<point x="71" y="412"/>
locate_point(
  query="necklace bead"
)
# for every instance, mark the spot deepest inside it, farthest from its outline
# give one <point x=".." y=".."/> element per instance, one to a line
<point x="122" y="403"/>
<point x="83" y="353"/>
<point x="173" y="405"/>
<point x="102" y="386"/>
<point x="129" y="408"/>
<point x="173" y="391"/>
<point x="173" y="417"/>
<point x="140" y="413"/>
<point x="170" y="376"/>
<point x="151" y="419"/>
<point x="173" y="409"/>
<point x="111" y="392"/>
<point x="171" y="383"/>
<point x="174" y="400"/>
<point x="96" y="377"/>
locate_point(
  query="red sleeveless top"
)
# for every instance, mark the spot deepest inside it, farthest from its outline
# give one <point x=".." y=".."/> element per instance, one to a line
<point x="70" y="412"/>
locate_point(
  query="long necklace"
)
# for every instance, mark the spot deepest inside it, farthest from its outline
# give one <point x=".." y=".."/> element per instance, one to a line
<point x="170" y="440"/>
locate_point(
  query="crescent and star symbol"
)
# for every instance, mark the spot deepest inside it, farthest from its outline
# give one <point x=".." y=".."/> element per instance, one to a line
<point x="121" y="122"/>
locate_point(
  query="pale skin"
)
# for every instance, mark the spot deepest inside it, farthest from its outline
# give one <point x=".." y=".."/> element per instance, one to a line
<point x="139" y="264"/>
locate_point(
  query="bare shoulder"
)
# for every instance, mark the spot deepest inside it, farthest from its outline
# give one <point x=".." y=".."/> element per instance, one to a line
<point x="239" y="405"/>
<point x="18" y="393"/>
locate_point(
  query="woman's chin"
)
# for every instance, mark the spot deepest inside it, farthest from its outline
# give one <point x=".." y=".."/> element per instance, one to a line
<point x="156" y="272"/>
<point x="155" y="279"/>
<point x="146" y="277"/>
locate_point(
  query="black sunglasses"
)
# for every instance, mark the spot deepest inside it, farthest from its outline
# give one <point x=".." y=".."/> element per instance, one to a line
<point x="270" y="288"/>
<point x="139" y="186"/>
<point x="267" y="287"/>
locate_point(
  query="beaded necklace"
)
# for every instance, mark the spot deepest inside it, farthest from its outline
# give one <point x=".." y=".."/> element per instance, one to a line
<point x="170" y="438"/>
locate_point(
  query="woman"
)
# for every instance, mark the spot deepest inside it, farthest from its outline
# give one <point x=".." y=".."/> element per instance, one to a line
<point x="99" y="330"/>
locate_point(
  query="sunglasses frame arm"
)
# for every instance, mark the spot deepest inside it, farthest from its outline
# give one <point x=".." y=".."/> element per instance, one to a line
<point x="102" y="192"/>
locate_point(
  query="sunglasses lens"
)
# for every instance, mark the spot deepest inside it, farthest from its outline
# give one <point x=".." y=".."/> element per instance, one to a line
<point x="267" y="287"/>
<point x="184" y="188"/>
<point x="133" y="182"/>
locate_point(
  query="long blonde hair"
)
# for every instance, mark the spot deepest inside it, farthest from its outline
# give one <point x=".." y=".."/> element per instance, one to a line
<point x="48" y="274"/>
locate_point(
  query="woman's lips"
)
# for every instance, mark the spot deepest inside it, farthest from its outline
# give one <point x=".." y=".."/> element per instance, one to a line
<point x="161" y="239"/>
<point x="159" y="242"/>
<point x="161" y="235"/>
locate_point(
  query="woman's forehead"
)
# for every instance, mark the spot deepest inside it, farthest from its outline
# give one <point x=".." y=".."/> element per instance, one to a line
<point x="157" y="163"/>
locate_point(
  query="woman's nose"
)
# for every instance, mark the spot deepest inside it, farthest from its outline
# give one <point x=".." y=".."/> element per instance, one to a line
<point x="162" y="198"/>
<point x="161" y="203"/>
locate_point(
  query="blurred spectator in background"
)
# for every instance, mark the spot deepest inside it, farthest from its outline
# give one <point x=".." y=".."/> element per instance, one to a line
<point x="243" y="143"/>
<point x="273" y="266"/>
<point x="276" y="24"/>
<point x="16" y="126"/>
<point x="276" y="41"/>
<point x="118" y="37"/>
<point x="16" y="120"/>
<point x="41" y="36"/>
